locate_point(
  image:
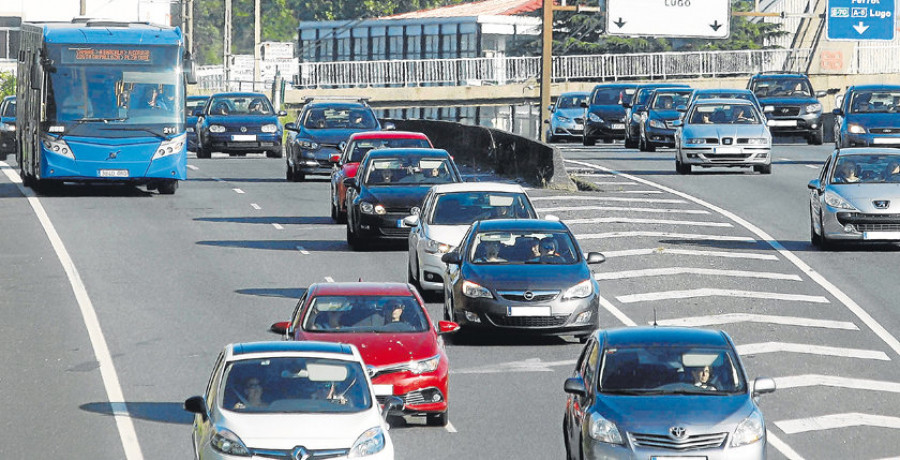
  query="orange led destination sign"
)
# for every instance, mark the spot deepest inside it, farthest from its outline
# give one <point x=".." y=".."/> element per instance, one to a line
<point x="109" y="54"/>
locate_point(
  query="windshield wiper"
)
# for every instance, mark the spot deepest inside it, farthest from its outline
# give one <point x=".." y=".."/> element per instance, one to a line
<point x="104" y="120"/>
<point x="624" y="392"/>
<point x="134" y="128"/>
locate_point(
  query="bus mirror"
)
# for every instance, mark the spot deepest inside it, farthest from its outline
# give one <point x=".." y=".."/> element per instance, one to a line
<point x="37" y="75"/>
<point x="190" y="71"/>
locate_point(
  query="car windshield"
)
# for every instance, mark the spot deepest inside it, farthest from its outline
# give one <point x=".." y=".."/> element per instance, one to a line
<point x="194" y="104"/>
<point x="571" y="101"/>
<point x="463" y="208"/>
<point x="724" y="114"/>
<point x="866" y="169"/>
<point x="9" y="110"/>
<point x="781" y="87"/>
<point x="875" y="102"/>
<point x="669" y="369"/>
<point x="359" y="147"/>
<point x="745" y="95"/>
<point x="612" y="96"/>
<point x="508" y="248"/>
<point x="295" y="385"/>
<point x="669" y="100"/>
<point x="240" y="105"/>
<point x="409" y="171"/>
<point x="355" y="314"/>
<point x="359" y="118"/>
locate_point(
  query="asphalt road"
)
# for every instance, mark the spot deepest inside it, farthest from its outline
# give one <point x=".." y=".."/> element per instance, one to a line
<point x="172" y="279"/>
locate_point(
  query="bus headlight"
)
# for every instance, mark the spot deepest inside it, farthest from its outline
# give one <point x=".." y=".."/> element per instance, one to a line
<point x="216" y="129"/>
<point x="7" y="127"/>
<point x="58" y="146"/>
<point x="170" y="147"/>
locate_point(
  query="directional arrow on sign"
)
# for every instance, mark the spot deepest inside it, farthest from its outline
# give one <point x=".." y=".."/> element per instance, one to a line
<point x="860" y="27"/>
<point x="619" y="23"/>
<point x="715" y="25"/>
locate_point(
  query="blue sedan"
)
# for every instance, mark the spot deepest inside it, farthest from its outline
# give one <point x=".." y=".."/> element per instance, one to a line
<point x="869" y="116"/>
<point x="239" y="123"/>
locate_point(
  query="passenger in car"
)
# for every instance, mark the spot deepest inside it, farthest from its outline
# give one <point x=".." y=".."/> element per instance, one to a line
<point x="491" y="252"/>
<point x="701" y="378"/>
<point x="846" y="173"/>
<point x="892" y="172"/>
<point x="329" y="320"/>
<point x="251" y="396"/>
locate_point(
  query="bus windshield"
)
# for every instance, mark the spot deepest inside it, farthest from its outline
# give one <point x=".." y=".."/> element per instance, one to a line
<point x="115" y="91"/>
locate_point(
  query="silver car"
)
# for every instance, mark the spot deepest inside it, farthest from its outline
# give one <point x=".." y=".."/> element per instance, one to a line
<point x="856" y="197"/>
<point x="723" y="132"/>
<point x="567" y="117"/>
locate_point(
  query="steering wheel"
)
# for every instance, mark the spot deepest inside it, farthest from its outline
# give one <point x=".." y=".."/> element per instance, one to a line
<point x="241" y="399"/>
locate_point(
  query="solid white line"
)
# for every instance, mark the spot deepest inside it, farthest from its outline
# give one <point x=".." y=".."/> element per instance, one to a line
<point x="731" y="318"/>
<point x="619" y="182"/>
<point x="812" y="380"/>
<point x="673" y="271"/>
<point x="636" y="192"/>
<point x="605" y="198"/>
<point x="782" y="447"/>
<point x="781" y="347"/>
<point x="628" y="220"/>
<point x="688" y="252"/>
<point x="708" y="292"/>
<point x="255" y="206"/>
<point x="616" y="312"/>
<point x="329" y="279"/>
<point x="277" y="226"/>
<point x="302" y="251"/>
<point x="193" y="168"/>
<point x="834" y="421"/>
<point x="681" y="236"/>
<point x="812" y="166"/>
<point x="621" y="208"/>
<point x="239" y="191"/>
<point x="860" y="313"/>
<point x="450" y="428"/>
<point x="114" y="393"/>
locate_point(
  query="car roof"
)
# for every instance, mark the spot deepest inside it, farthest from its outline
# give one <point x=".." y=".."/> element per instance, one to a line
<point x="8" y="98"/>
<point x="873" y="87"/>
<point x="361" y="288"/>
<point x="661" y="85"/>
<point x="771" y="76"/>
<point x="722" y="90"/>
<point x="478" y="187"/>
<point x="723" y="100"/>
<point x="197" y="98"/>
<point x="388" y="135"/>
<point x="658" y="335"/>
<point x="340" y="104"/>
<point x="616" y="85"/>
<point x="389" y="153"/>
<point x="575" y="93"/>
<point x="289" y="346"/>
<point x="521" y="225"/>
<point x="239" y="94"/>
<point x="868" y="151"/>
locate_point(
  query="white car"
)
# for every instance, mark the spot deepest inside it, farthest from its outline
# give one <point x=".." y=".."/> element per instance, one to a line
<point x="446" y="214"/>
<point x="290" y="400"/>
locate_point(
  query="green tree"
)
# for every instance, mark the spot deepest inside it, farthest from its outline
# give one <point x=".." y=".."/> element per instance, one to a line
<point x="7" y="84"/>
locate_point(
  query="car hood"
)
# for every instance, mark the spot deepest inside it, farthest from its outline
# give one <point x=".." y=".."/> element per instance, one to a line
<point x="875" y="120"/>
<point x="238" y="120"/>
<point x="447" y="234"/>
<point x="608" y="111"/>
<point x="397" y="197"/>
<point x="380" y="349"/>
<point x="528" y="276"/>
<point x="664" y="114"/>
<point x="719" y="131"/>
<point x="331" y="136"/>
<point x="574" y="112"/>
<point x="657" y="414"/>
<point x="313" y="431"/>
<point x="861" y="196"/>
<point x="787" y="101"/>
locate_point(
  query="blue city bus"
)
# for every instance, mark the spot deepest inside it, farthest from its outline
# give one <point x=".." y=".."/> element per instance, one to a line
<point x="102" y="101"/>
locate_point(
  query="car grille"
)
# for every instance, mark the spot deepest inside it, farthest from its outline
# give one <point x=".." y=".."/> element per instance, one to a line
<point x="712" y="157"/>
<point x="528" y="321"/>
<point x="884" y="130"/>
<point x="786" y="111"/>
<point x="669" y="124"/>
<point x="324" y="163"/>
<point x="579" y="120"/>
<point x="319" y="454"/>
<point x="414" y="398"/>
<point x="664" y="441"/>
<point x="875" y="222"/>
<point x="519" y="296"/>
<point x="390" y="231"/>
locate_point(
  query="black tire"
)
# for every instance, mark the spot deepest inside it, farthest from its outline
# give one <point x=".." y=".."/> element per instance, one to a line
<point x="439" y="419"/>
<point x="552" y="139"/>
<point x="167" y="187"/>
<point x="588" y="141"/>
<point x="565" y="431"/>
<point x="648" y="147"/>
<point x="814" y="238"/>
<point x="763" y="169"/>
<point x="203" y="152"/>
<point x="334" y="212"/>
<point x="817" y="136"/>
<point x="273" y="154"/>
<point x="630" y="144"/>
<point x="680" y="167"/>
<point x="411" y="279"/>
<point x="288" y="173"/>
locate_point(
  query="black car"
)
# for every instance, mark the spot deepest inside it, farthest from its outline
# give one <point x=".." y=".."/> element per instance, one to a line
<point x="387" y="186"/>
<point x="321" y="131"/>
<point x="193" y="108"/>
<point x="527" y="275"/>
<point x="237" y="124"/>
<point x="605" y="112"/>
<point x="662" y="109"/>
<point x="869" y="116"/>
<point x="636" y="110"/>
<point x="789" y="101"/>
<point x="7" y="126"/>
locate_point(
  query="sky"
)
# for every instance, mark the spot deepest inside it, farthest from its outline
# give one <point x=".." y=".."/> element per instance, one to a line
<point x="156" y="11"/>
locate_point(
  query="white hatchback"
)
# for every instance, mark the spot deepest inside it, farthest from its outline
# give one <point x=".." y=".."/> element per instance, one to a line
<point x="290" y="400"/>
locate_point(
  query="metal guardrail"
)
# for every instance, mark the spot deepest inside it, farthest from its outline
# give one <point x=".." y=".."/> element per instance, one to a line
<point x="875" y="59"/>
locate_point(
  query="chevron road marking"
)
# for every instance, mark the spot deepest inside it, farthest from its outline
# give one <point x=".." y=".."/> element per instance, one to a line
<point x="781" y="347"/>
<point x="672" y="271"/>
<point x="688" y="252"/>
<point x="812" y="380"/>
<point x="834" y="421"/>
<point x="606" y="198"/>
<point x="618" y="208"/>
<point x="193" y="168"/>
<point x="635" y="192"/>
<point x="619" y="182"/>
<point x="731" y="318"/>
<point x="680" y="236"/>
<point x="708" y="292"/>
<point x="527" y="365"/>
<point x="628" y="220"/>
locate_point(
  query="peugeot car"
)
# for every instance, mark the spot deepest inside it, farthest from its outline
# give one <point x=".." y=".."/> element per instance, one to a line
<point x="636" y="110"/>
<point x="657" y="128"/>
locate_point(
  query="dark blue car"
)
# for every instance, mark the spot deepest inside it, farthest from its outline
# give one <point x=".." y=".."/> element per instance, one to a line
<point x="869" y="116"/>
<point x="789" y="101"/>
<point x="238" y="124"/>
<point x="636" y="109"/>
<point x="8" y="126"/>
<point x="662" y="109"/>
<point x="605" y="117"/>
<point x="317" y="138"/>
<point x="193" y="108"/>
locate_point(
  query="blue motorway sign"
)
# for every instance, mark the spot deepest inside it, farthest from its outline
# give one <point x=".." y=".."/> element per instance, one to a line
<point x="860" y="20"/>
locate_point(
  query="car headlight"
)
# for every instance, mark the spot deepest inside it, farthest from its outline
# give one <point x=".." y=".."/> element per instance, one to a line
<point x="308" y="145"/>
<point x="7" y="127"/>
<point x="593" y="117"/>
<point x="758" y="141"/>
<point x="425" y="365"/>
<point x="580" y="290"/>
<point x="369" y="443"/>
<point x="436" y="247"/>
<point x="835" y="201"/>
<point x="216" y="129"/>
<point x="856" y="129"/>
<point x="228" y="443"/>
<point x="657" y="124"/>
<point x="813" y="108"/>
<point x="470" y="289"/>
<point x="563" y="119"/>
<point x="696" y="140"/>
<point x="369" y="208"/>
<point x="58" y="146"/>
<point x="170" y="147"/>
<point x="269" y="128"/>
<point x="752" y="429"/>
<point x="603" y="430"/>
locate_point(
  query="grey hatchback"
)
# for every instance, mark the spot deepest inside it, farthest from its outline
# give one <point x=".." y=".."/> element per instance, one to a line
<point x="661" y="392"/>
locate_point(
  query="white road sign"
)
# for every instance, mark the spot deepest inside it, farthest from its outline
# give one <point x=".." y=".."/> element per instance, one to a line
<point x="669" y="18"/>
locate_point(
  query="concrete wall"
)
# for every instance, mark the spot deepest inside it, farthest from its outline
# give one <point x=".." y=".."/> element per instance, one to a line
<point x="504" y="153"/>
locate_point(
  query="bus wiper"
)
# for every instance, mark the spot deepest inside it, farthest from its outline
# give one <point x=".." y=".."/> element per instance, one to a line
<point x="104" y="120"/>
<point x="134" y="128"/>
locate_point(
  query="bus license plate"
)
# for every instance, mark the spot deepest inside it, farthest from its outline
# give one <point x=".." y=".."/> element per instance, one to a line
<point x="113" y="173"/>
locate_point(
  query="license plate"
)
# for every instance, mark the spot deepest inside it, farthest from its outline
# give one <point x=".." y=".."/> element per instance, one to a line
<point x="618" y="126"/>
<point x="728" y="150"/>
<point x="527" y="311"/>
<point x="578" y="127"/>
<point x="881" y="235"/>
<point x="113" y="173"/>
<point x="383" y="390"/>
<point x="886" y="140"/>
<point x="782" y="122"/>
<point x="243" y="137"/>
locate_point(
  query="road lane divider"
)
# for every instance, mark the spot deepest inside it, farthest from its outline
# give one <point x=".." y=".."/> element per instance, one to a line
<point x="329" y="279"/>
<point x="783" y="347"/>
<point x="711" y="292"/>
<point x="277" y="226"/>
<point x="193" y="168"/>
<point x="606" y="198"/>
<point x="302" y="250"/>
<point x="733" y="318"/>
<point x="629" y="220"/>
<point x="677" y="236"/>
<point x="621" y="208"/>
<point x="675" y="271"/>
<point x="835" y="421"/>
<point x="688" y="252"/>
<point x="238" y="191"/>
<point x="636" y="192"/>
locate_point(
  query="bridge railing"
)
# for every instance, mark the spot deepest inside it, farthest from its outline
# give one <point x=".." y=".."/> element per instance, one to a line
<point x="875" y="59"/>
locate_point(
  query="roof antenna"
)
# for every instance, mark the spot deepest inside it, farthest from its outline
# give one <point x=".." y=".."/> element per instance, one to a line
<point x="654" y="317"/>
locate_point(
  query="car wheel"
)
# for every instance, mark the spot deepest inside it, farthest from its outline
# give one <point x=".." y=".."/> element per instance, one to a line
<point x="680" y="167"/>
<point x="588" y="141"/>
<point x="334" y="212"/>
<point x="439" y="419"/>
<point x="203" y="152"/>
<point x="273" y="154"/>
<point x="565" y="430"/>
<point x="551" y="138"/>
<point x="288" y="173"/>
<point x="630" y="144"/>
<point x="824" y="243"/>
<point x="411" y="279"/>
<point x="814" y="237"/>
<point x="168" y="187"/>
<point x="352" y="239"/>
<point x="448" y="305"/>
<point x="763" y="169"/>
<point x="648" y="147"/>
<point x="817" y="136"/>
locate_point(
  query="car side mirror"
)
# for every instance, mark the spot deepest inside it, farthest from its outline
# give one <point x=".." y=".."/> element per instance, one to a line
<point x="837" y="112"/>
<point x="290" y="126"/>
<point x="546" y="122"/>
<point x="814" y="184"/>
<point x="451" y="258"/>
<point x="388" y="126"/>
<point x="335" y="158"/>
<point x="821" y="93"/>
<point x="681" y="108"/>
<point x="282" y="113"/>
<point x="677" y="123"/>
<point x="411" y="221"/>
<point x="595" y="258"/>
<point x="197" y="405"/>
<point x="350" y="182"/>
<point x="446" y="327"/>
<point x="197" y="112"/>
<point x="763" y="385"/>
<point x="393" y="406"/>
<point x="575" y="386"/>
<point x="280" y="327"/>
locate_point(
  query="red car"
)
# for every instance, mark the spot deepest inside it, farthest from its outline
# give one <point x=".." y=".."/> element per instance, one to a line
<point x="389" y="325"/>
<point x="355" y="150"/>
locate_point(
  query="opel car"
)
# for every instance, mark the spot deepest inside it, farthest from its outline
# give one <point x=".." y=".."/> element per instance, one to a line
<point x="238" y="124"/>
<point x="869" y="116"/>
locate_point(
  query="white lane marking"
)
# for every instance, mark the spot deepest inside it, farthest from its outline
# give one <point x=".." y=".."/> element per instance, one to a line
<point x="255" y="206"/>
<point x="193" y="168"/>
<point x="785" y="159"/>
<point x="277" y="226"/>
<point x="114" y="393"/>
<point x="783" y="347"/>
<point x="606" y="198"/>
<point x="636" y="192"/>
<point x="591" y="174"/>
<point x="621" y="208"/>
<point x="674" y="271"/>
<point x="628" y="220"/>
<point x="450" y="428"/>
<point x="731" y="318"/>
<point x="302" y="250"/>
<point x="238" y="191"/>
<point x="679" y="236"/>
<point x="709" y="292"/>
<point x="782" y="447"/>
<point x="860" y="313"/>
<point x="688" y="252"/>
<point x="812" y="166"/>
<point x="526" y="365"/>
<point x="618" y="182"/>
<point x="616" y="312"/>
<point x="834" y="421"/>
<point x="329" y="279"/>
<point x="813" y="380"/>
